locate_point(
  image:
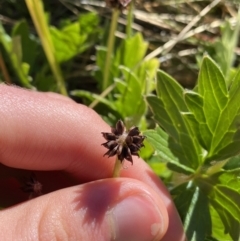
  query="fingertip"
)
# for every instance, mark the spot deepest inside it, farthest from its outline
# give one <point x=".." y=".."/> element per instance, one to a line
<point x="110" y="209"/>
<point x="138" y="217"/>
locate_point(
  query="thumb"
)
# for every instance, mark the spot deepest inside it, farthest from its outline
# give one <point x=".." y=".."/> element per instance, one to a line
<point x="111" y="209"/>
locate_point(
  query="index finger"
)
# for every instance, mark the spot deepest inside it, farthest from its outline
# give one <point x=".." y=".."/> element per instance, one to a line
<point x="43" y="132"/>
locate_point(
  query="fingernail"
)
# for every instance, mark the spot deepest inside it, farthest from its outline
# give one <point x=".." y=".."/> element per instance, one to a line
<point x="136" y="218"/>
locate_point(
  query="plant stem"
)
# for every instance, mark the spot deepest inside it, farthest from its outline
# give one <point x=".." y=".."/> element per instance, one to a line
<point x="117" y="168"/>
<point x="130" y="20"/>
<point x="35" y="8"/>
<point x="110" y="46"/>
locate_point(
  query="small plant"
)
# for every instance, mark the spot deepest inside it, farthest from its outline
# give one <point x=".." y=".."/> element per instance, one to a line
<point x="198" y="137"/>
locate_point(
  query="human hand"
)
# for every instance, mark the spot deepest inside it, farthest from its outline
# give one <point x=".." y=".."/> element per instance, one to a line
<point x="61" y="141"/>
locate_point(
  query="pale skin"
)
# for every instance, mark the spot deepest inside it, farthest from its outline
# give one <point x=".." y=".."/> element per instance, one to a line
<point x="61" y="141"/>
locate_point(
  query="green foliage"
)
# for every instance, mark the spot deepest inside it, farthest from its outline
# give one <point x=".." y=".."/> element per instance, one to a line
<point x="75" y="37"/>
<point x="199" y="132"/>
<point x="19" y="57"/>
<point x="223" y="49"/>
<point x="24" y="51"/>
<point x="131" y="78"/>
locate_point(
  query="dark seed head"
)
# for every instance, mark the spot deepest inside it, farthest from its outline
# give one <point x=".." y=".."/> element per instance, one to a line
<point x="119" y="4"/>
<point x="33" y="187"/>
<point x="123" y="143"/>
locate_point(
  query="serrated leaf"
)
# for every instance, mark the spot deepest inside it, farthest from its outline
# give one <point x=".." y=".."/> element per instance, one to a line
<point x="231" y="224"/>
<point x="194" y="102"/>
<point x="208" y="104"/>
<point x="229" y="178"/>
<point x="218" y="227"/>
<point x="146" y="74"/>
<point x="159" y="141"/>
<point x="216" y="112"/>
<point x="221" y="194"/>
<point x="193" y="207"/>
<point x="228" y="198"/>
<point x="227" y="140"/>
<point x="127" y="55"/>
<point x="212" y="87"/>
<point x="72" y="38"/>
<point x="225" y="199"/>
<point x="167" y="109"/>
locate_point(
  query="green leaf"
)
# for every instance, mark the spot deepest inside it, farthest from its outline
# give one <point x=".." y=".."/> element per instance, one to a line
<point x="223" y="193"/>
<point x="193" y="208"/>
<point x="130" y="102"/>
<point x="45" y="81"/>
<point x="168" y="110"/>
<point x="100" y="61"/>
<point x="13" y="49"/>
<point x="159" y="168"/>
<point x="17" y="48"/>
<point x="225" y="46"/>
<point x="146" y="74"/>
<point x="73" y="38"/>
<point x="194" y="102"/>
<point x="229" y="192"/>
<point x="27" y="42"/>
<point x="231" y="224"/>
<point x="131" y="51"/>
<point x="177" y="167"/>
<point x="211" y="239"/>
<point x="227" y="139"/>
<point x="233" y="163"/>
<point x="147" y="151"/>
<point x="218" y="227"/>
<point x="129" y="54"/>
<point x="228" y="178"/>
<point x="215" y="112"/>
<point x="158" y="139"/>
<point x="227" y="198"/>
<point x="212" y="87"/>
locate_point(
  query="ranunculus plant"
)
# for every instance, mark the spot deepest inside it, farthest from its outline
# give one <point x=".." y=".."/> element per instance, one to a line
<point x="197" y="134"/>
